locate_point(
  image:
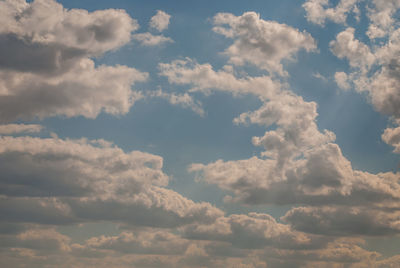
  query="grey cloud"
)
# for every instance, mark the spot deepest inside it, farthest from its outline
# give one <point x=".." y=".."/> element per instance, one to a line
<point x="143" y="242"/>
<point x="343" y="221"/>
<point x="83" y="91"/>
<point x="19" y="128"/>
<point x="54" y="181"/>
<point x="45" y="65"/>
<point x="252" y="231"/>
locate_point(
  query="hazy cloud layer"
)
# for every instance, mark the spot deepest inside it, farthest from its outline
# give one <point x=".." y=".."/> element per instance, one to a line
<point x="19" y="128"/>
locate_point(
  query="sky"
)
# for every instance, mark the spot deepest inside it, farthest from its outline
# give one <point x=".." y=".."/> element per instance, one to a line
<point x="200" y="133"/>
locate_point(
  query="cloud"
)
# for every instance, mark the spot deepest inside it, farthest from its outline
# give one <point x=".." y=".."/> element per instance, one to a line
<point x="392" y="137"/>
<point x="259" y="42"/>
<point x="300" y="164"/>
<point x="143" y="242"/>
<point x="160" y="21"/>
<point x="19" y="128"/>
<point x="54" y="181"/>
<point x="357" y="53"/>
<point x="203" y="78"/>
<point x="48" y="61"/>
<point x="341" y="80"/>
<point x="375" y="70"/>
<point x="318" y="11"/>
<point x="381" y="16"/>
<point x="252" y="231"/>
<point x="147" y="39"/>
<point x="339" y="253"/>
<point x="185" y="100"/>
<point x="343" y="221"/>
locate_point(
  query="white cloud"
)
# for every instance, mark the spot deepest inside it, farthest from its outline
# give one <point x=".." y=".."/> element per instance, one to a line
<point x="318" y="11"/>
<point x="185" y="100"/>
<point x="357" y="53"/>
<point x="342" y="80"/>
<point x="375" y="70"/>
<point x="202" y="78"/>
<point x="260" y="42"/>
<point x="19" y="128"/>
<point x="302" y="165"/>
<point x="160" y="21"/>
<point x="381" y="17"/>
<point x="392" y="137"/>
<point x="147" y="39"/>
<point x="45" y="63"/>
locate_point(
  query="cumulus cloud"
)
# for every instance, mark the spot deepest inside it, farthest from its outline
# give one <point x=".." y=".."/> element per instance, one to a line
<point x="148" y="39"/>
<point x="300" y="164"/>
<point x="392" y="137"/>
<point x="160" y="21"/>
<point x="374" y="66"/>
<point x="357" y="53"/>
<point x="45" y="66"/>
<point x="381" y="15"/>
<point x="341" y="80"/>
<point x="318" y="11"/>
<point x="58" y="181"/>
<point x="260" y="42"/>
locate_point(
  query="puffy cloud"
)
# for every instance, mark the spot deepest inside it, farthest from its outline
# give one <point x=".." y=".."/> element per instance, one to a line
<point x="147" y="39"/>
<point x="324" y="176"/>
<point x="45" y="66"/>
<point x="392" y="137"/>
<point x="357" y="53"/>
<point x="318" y="11"/>
<point x="375" y="71"/>
<point x="86" y="90"/>
<point x="342" y="80"/>
<point x="19" y="128"/>
<point x="381" y="17"/>
<point x="160" y="21"/>
<point x="301" y="165"/>
<point x="54" y="181"/>
<point x="259" y="42"/>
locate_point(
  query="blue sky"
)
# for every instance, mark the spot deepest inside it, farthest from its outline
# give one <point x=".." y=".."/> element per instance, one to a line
<point x="259" y="133"/>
